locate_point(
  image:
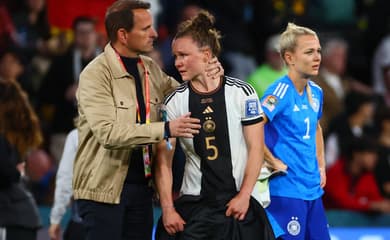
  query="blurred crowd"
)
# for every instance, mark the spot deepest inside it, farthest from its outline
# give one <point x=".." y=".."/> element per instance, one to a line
<point x="46" y="61"/>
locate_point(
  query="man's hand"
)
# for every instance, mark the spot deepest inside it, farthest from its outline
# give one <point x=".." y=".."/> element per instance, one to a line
<point x="55" y="232"/>
<point x="184" y="126"/>
<point x="215" y="69"/>
<point x="238" y="206"/>
<point x="172" y="221"/>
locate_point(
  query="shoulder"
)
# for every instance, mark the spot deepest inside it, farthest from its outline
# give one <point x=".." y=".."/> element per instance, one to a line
<point x="150" y="64"/>
<point x="246" y="88"/>
<point x="97" y="64"/>
<point x="147" y="60"/>
<point x="315" y="86"/>
<point x="280" y="88"/>
<point x="176" y="93"/>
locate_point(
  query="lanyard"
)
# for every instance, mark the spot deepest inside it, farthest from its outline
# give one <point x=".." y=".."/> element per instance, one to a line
<point x="147" y="95"/>
<point x="145" y="149"/>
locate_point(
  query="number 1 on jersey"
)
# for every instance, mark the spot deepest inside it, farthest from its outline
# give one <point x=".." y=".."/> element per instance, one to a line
<point x="307" y="121"/>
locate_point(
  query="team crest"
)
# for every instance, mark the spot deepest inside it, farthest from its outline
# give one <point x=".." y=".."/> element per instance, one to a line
<point x="252" y="108"/>
<point x="315" y="104"/>
<point x="293" y="227"/>
<point x="270" y="102"/>
<point x="209" y="125"/>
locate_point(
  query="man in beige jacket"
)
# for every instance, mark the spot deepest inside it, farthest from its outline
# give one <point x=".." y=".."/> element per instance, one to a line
<point x="119" y="97"/>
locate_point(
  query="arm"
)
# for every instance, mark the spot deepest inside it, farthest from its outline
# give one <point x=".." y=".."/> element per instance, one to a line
<point x="97" y="104"/>
<point x="320" y="154"/>
<point x="275" y="163"/>
<point x="63" y="190"/>
<point x="254" y="138"/>
<point x="163" y="177"/>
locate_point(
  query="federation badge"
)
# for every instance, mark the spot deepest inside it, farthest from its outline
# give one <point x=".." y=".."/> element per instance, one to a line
<point x="209" y="125"/>
<point x="270" y="102"/>
<point x="293" y="227"/>
<point x="315" y="104"/>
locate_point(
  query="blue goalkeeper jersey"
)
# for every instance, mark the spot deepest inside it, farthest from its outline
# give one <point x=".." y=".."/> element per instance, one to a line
<point x="290" y="134"/>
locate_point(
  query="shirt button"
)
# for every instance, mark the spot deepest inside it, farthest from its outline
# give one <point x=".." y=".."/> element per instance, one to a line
<point x="121" y="102"/>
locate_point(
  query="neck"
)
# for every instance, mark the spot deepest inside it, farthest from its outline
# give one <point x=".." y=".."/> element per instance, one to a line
<point x="206" y="84"/>
<point x="123" y="50"/>
<point x="298" y="81"/>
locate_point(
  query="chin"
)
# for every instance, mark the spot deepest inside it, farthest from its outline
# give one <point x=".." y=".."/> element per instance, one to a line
<point x="184" y="78"/>
<point x="311" y="74"/>
<point x="315" y="73"/>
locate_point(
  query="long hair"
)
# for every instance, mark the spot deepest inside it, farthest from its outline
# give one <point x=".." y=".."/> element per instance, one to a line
<point x="18" y="121"/>
<point x="202" y="30"/>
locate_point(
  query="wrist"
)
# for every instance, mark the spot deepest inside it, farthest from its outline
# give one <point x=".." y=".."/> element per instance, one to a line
<point x="167" y="132"/>
<point x="245" y="194"/>
<point x="167" y="208"/>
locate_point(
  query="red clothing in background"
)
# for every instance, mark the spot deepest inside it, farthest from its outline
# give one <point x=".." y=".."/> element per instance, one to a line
<point x="342" y="191"/>
<point x="62" y="13"/>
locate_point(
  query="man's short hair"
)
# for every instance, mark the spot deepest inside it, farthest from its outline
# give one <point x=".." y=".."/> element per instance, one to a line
<point x="120" y="15"/>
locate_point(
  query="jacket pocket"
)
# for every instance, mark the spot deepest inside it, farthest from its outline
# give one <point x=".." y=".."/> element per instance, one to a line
<point x="125" y="111"/>
<point x="155" y="107"/>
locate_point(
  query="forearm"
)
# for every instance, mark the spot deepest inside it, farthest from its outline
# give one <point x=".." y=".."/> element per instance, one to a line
<point x="252" y="172"/>
<point x="63" y="192"/>
<point x="320" y="148"/>
<point x="254" y="136"/>
<point x="268" y="156"/>
<point x="112" y="118"/>
<point x="163" y="175"/>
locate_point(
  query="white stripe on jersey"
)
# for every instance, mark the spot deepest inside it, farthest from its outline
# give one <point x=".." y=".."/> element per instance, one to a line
<point x="280" y="90"/>
<point x="284" y="91"/>
<point x="276" y="89"/>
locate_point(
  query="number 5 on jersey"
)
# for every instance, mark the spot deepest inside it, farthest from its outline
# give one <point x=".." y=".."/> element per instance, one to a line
<point x="213" y="148"/>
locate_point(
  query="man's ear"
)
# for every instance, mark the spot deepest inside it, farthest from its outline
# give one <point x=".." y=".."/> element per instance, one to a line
<point x="121" y="35"/>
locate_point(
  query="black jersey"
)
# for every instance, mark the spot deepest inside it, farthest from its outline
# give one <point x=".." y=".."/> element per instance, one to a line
<point x="216" y="157"/>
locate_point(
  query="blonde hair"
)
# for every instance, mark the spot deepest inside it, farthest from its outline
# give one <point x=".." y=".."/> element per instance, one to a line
<point x="288" y="39"/>
<point x="288" y="42"/>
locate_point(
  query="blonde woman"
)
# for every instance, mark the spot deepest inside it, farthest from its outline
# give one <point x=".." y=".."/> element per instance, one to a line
<point x="293" y="137"/>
